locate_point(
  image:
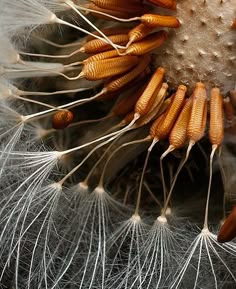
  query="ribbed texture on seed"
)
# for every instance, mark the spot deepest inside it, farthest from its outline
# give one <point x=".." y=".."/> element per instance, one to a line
<point x="147" y="99"/>
<point x="97" y="45"/>
<point x="216" y="127"/>
<point x="149" y="43"/>
<point x="128" y="77"/>
<point x="172" y="113"/>
<point x="197" y="119"/>
<point x="178" y="134"/>
<point x="108" y="67"/>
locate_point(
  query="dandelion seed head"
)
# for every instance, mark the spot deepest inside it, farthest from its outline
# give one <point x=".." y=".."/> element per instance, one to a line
<point x="203" y="47"/>
<point x="73" y="178"/>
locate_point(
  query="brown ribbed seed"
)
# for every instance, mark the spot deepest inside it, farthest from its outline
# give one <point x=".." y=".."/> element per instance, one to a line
<point x="170" y="4"/>
<point x="125" y="6"/>
<point x="159" y="98"/>
<point x="155" y="125"/>
<point x="228" y="230"/>
<point x="196" y="126"/>
<point x="139" y="32"/>
<point x="178" y="134"/>
<point x="109" y="12"/>
<point x="101" y="56"/>
<point x="172" y="113"/>
<point x="216" y="127"/>
<point x="61" y="119"/>
<point x="97" y="45"/>
<point x="128" y="77"/>
<point x="108" y="32"/>
<point x="149" y="43"/>
<point x="146" y="100"/>
<point x="155" y="111"/>
<point x="164" y="105"/>
<point x="108" y="67"/>
<point x="228" y="111"/>
<point x="126" y="104"/>
<point x="154" y="20"/>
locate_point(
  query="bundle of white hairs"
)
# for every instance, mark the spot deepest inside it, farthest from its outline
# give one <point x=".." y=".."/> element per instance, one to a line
<point x="117" y="144"/>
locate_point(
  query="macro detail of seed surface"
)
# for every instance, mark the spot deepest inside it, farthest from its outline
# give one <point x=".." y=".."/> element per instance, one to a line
<point x="117" y="144"/>
<point x="203" y="48"/>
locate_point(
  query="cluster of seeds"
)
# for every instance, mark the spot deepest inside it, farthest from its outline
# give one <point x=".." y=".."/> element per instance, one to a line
<point x="77" y="196"/>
